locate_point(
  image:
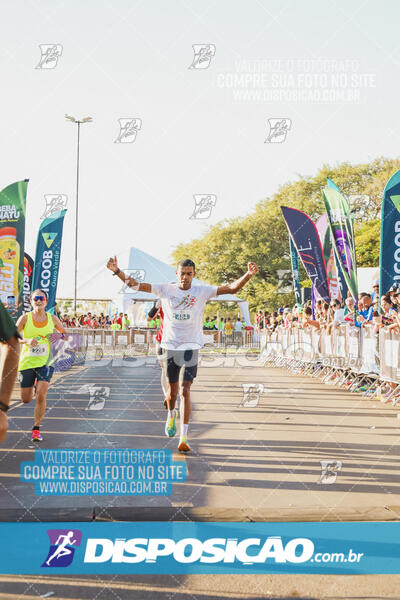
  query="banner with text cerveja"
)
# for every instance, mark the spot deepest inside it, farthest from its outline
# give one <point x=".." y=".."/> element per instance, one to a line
<point x="12" y="243"/>
<point x="389" y="261"/>
<point x="47" y="257"/>
<point x="305" y="237"/>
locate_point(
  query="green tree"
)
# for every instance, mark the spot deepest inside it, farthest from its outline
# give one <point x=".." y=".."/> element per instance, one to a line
<point x="221" y="255"/>
<point x="366" y="237"/>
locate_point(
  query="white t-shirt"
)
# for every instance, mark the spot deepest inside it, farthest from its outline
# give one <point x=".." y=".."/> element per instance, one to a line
<point x="238" y="326"/>
<point x="339" y="315"/>
<point x="183" y="314"/>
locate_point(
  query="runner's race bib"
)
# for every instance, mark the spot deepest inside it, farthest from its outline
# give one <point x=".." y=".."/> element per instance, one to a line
<point x="39" y="350"/>
<point x="182" y="316"/>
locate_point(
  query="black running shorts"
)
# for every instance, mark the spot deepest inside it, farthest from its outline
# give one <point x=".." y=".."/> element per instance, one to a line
<point x="176" y="359"/>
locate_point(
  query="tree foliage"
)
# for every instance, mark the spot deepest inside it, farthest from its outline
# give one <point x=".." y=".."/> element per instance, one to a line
<point x="221" y="255"/>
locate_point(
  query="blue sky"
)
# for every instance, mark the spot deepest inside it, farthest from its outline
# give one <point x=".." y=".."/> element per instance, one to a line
<point x="200" y="133"/>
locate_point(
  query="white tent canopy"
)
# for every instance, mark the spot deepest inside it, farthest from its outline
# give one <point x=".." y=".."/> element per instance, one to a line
<point x="144" y="267"/>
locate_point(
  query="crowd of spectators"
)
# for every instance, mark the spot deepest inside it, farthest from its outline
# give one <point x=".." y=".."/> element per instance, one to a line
<point x="372" y="310"/>
<point x="121" y="322"/>
<point x="231" y="330"/>
<point x="91" y="321"/>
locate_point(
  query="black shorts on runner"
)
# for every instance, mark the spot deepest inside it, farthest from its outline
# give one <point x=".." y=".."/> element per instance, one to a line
<point x="7" y="326"/>
<point x="176" y="359"/>
<point x="28" y="376"/>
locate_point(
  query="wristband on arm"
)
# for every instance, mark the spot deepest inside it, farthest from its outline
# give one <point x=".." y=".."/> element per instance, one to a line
<point x="4" y="407"/>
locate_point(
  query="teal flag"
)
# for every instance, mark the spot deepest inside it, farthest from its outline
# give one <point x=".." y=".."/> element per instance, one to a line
<point x="47" y="258"/>
<point x="389" y="258"/>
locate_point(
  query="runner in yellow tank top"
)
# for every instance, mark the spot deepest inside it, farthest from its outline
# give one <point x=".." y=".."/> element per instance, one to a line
<point x="37" y="328"/>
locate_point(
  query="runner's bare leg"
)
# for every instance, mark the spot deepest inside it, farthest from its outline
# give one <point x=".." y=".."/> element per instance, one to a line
<point x="186" y="405"/>
<point x="172" y="395"/>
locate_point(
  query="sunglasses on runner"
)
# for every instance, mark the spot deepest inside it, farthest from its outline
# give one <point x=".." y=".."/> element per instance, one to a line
<point x="37" y="298"/>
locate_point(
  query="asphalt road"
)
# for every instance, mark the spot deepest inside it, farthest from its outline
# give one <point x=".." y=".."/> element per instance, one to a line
<point x="255" y="457"/>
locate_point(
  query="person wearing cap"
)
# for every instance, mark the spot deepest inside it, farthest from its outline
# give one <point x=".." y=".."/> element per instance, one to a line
<point x="375" y="292"/>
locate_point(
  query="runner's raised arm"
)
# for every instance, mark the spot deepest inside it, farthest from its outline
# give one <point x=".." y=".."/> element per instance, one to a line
<point x="233" y="288"/>
<point x="112" y="264"/>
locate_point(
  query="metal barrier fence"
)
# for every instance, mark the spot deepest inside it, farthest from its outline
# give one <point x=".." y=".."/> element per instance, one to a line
<point x="146" y="337"/>
<point x="95" y="344"/>
<point x="347" y="355"/>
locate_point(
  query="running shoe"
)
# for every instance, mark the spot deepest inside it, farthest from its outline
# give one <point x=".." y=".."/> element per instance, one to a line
<point x="36" y="436"/>
<point x="183" y="444"/>
<point x="170" y="425"/>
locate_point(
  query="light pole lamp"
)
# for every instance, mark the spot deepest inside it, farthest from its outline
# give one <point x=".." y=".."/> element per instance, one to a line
<point x="78" y="122"/>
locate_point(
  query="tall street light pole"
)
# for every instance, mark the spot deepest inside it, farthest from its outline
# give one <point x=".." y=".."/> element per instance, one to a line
<point x="78" y="122"/>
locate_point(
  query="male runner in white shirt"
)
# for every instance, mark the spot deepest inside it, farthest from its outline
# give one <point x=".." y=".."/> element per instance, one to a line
<point x="183" y="306"/>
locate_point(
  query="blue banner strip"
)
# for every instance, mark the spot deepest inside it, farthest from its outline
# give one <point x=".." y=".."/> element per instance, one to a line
<point x="218" y="548"/>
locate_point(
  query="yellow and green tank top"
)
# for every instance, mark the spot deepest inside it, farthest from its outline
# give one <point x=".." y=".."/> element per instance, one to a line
<point x="33" y="357"/>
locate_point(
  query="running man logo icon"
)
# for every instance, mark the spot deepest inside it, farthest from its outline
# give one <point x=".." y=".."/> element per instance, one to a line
<point x="98" y="396"/>
<point x="251" y="394"/>
<point x="203" y="205"/>
<point x="128" y="129"/>
<point x="330" y="469"/>
<point x="203" y="54"/>
<point x="50" y="53"/>
<point x="138" y="274"/>
<point x="63" y="543"/>
<point x="278" y="129"/>
<point x="54" y="203"/>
